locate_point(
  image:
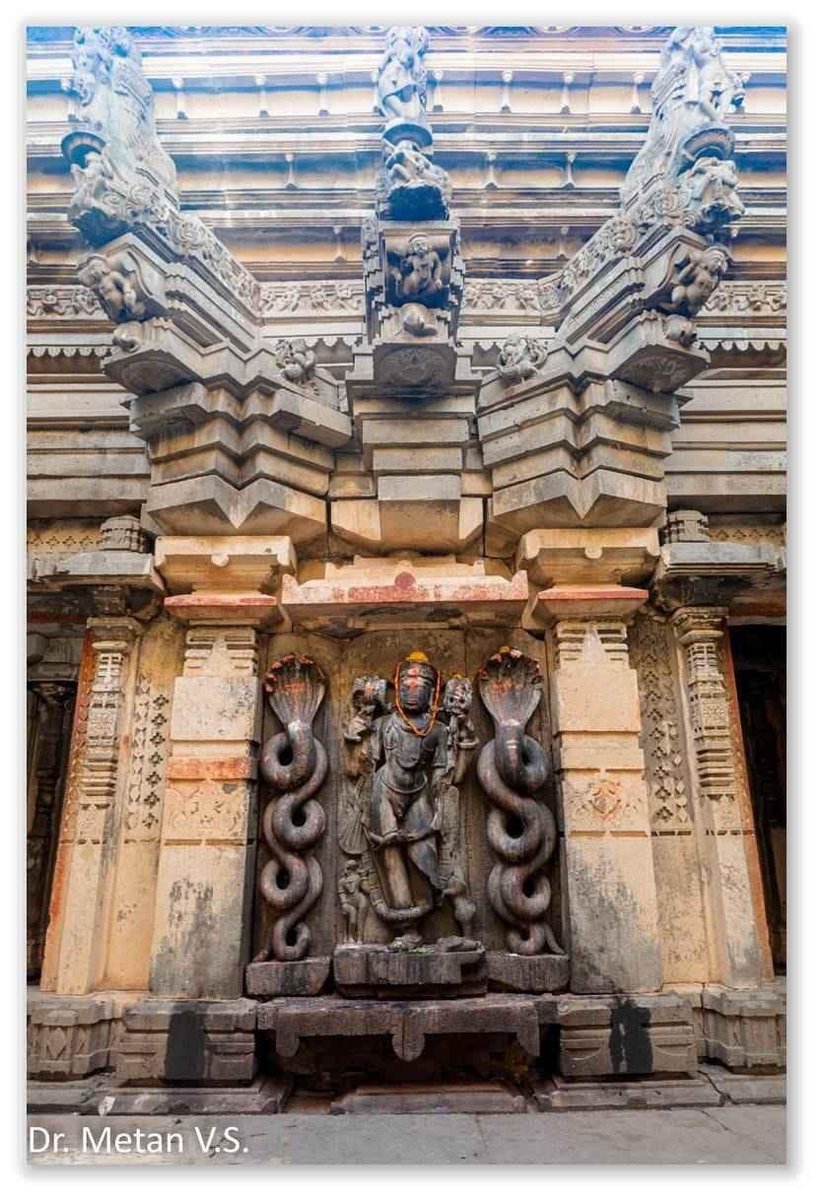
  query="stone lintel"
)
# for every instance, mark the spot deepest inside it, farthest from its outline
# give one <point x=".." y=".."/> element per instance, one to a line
<point x="713" y="572"/>
<point x="562" y="603"/>
<point x="225" y="608"/>
<point x="395" y="591"/>
<point x="223" y="564"/>
<point x="557" y="557"/>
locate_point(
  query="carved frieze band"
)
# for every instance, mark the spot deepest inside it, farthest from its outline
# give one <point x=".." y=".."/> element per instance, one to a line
<point x="216" y="651"/>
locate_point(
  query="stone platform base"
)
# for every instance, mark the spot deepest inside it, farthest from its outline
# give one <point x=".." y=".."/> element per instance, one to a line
<point x="261" y="1096"/>
<point x="560" y="1094"/>
<point x="421" y="1098"/>
<point x="187" y="1042"/>
<point x="69" y="1036"/>
<point x="518" y="973"/>
<point x="736" y="1088"/>
<point x="607" y="1036"/>
<point x="745" y="1029"/>
<point x="406" y="1022"/>
<point x="305" y="978"/>
<point x="374" y="970"/>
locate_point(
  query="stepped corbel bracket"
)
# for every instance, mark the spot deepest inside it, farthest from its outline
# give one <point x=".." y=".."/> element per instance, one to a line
<point x="678" y="205"/>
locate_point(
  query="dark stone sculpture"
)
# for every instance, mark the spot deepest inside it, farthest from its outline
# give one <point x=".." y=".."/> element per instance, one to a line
<point x="512" y="769"/>
<point x="410" y="185"/>
<point x="296" y="764"/>
<point x="406" y="763"/>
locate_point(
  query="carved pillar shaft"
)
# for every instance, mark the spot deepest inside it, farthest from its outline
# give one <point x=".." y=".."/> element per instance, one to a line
<point x="74" y="959"/>
<point x="206" y="860"/>
<point x="739" y="956"/>
<point x="609" y="874"/>
<point x="50" y="723"/>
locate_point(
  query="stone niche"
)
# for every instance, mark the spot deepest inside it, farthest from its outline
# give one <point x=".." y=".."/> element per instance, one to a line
<point x="344" y="953"/>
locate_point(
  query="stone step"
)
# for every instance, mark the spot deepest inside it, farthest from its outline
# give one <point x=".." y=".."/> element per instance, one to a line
<point x="487" y="1097"/>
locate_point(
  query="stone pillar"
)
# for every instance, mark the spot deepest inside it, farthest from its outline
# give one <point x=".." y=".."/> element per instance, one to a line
<point x="48" y="732"/>
<point x="739" y="955"/>
<point x="74" y="958"/>
<point x="207" y="842"/>
<point x="609" y="872"/>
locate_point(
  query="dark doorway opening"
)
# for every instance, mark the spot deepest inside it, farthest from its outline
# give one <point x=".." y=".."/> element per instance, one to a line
<point x="759" y="653"/>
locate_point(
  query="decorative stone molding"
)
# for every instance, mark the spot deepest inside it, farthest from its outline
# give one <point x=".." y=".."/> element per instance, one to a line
<point x="206" y="1044"/>
<point x="700" y="631"/>
<point x="745" y="1028"/>
<point x="747" y="297"/>
<point x="47" y="302"/>
<point x="69" y="1038"/>
<point x="320" y="298"/>
<point x="662" y="735"/>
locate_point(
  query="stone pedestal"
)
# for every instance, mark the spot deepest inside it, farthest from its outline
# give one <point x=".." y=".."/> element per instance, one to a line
<point x="366" y="970"/>
<point x="521" y="973"/>
<point x="205" y="878"/>
<point x="68" y="1039"/>
<point x="187" y="1043"/>
<point x="629" y="1035"/>
<point x="610" y="889"/>
<point x="307" y="977"/>
<point x="745" y="1029"/>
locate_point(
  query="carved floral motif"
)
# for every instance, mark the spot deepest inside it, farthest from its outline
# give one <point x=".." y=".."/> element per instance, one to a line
<point x="650" y="646"/>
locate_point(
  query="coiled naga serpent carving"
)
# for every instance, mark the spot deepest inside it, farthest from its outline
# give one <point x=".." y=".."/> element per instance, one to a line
<point x="296" y="764"/>
<point x="521" y="831"/>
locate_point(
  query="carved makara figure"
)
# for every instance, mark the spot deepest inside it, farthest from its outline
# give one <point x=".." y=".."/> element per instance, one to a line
<point x="406" y="763"/>
<point x="512" y="770"/>
<point x="296" y="764"/>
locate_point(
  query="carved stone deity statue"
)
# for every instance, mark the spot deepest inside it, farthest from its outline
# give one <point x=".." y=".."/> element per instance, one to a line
<point x="401" y="83"/>
<point x="406" y="762"/>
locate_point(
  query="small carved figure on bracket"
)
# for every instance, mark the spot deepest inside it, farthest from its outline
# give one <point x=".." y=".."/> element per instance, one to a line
<point x="521" y="358"/>
<point x="697" y="276"/>
<point x="418" y="274"/>
<point x="295" y="360"/>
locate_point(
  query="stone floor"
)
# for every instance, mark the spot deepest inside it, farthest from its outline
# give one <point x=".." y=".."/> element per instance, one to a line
<point x="730" y="1134"/>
